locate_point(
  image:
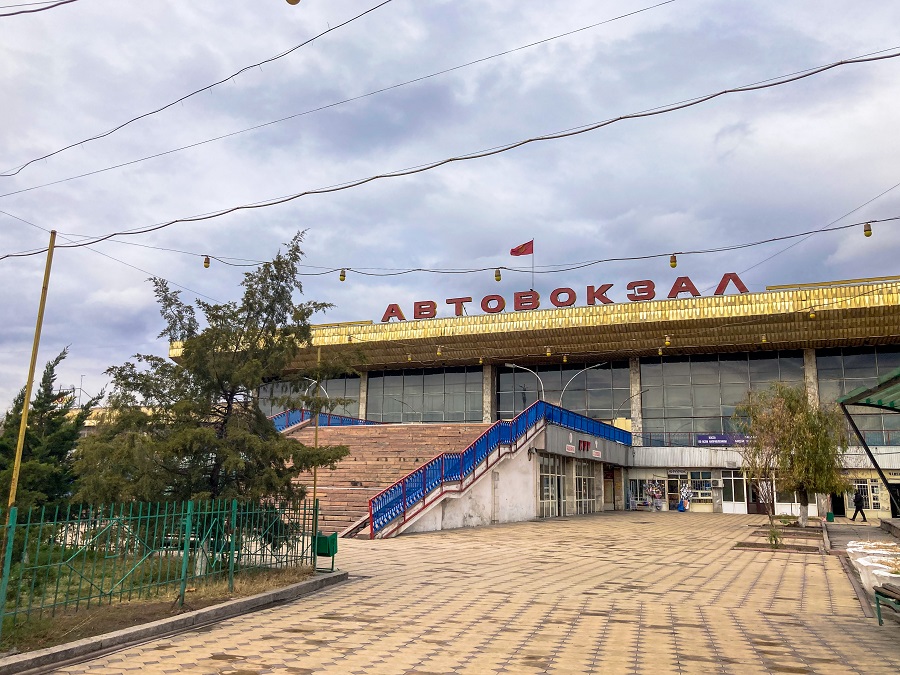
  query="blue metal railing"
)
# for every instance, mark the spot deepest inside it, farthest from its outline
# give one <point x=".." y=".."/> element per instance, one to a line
<point x="449" y="467"/>
<point x="290" y="418"/>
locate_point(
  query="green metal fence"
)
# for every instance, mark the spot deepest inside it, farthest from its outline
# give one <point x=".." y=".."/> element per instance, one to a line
<point x="76" y="557"/>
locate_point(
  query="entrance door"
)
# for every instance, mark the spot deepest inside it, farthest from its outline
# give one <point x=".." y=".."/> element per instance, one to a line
<point x="838" y="507"/>
<point x="674" y="493"/>
<point x="609" y="489"/>
<point x="754" y="503"/>
<point x="560" y="495"/>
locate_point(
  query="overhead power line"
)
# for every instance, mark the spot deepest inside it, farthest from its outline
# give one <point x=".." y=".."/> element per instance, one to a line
<point x="9" y="173"/>
<point x="471" y="156"/>
<point x="105" y="255"/>
<point x="39" y="9"/>
<point x="334" y="104"/>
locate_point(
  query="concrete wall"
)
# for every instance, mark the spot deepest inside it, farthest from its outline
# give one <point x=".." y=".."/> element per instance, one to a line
<point x="557" y="438"/>
<point x="505" y="494"/>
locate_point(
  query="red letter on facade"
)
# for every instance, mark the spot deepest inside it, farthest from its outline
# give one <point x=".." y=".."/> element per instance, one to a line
<point x="393" y="312"/>
<point x="426" y="309"/>
<point x="458" y="305"/>
<point x="526" y="300"/>
<point x="643" y="290"/>
<point x="683" y="285"/>
<point x="499" y="304"/>
<point x="595" y="294"/>
<point x="735" y="279"/>
<point x="568" y="302"/>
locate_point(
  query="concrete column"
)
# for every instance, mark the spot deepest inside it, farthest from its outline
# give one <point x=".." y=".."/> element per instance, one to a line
<point x="489" y="393"/>
<point x="637" y="418"/>
<point x="569" y="504"/>
<point x="363" y="393"/>
<point x="619" y="480"/>
<point x="811" y="376"/>
<point x="601" y="487"/>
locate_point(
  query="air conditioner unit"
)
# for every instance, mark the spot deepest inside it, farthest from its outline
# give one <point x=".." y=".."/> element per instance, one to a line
<point x="717" y="483"/>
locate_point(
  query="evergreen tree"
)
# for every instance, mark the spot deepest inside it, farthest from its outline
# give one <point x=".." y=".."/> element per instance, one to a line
<point x="192" y="429"/>
<point x="55" y="422"/>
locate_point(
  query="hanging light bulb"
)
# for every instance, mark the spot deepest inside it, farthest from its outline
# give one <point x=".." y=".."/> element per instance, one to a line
<point x="565" y="358"/>
<point x="480" y="360"/>
<point x="673" y="261"/>
<point x="343" y="275"/>
<point x="206" y="262"/>
<point x="668" y="341"/>
<point x="497" y="274"/>
<point x="659" y="351"/>
<point x="408" y="358"/>
<point x="764" y="340"/>
<point x="867" y="229"/>
<point x="812" y="314"/>
<point x="439" y="351"/>
<point x="548" y="351"/>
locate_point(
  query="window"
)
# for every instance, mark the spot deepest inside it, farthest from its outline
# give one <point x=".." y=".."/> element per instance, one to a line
<point x="687" y="395"/>
<point x="425" y="395"/>
<point x="842" y="370"/>
<point x="701" y="486"/>
<point x="862" y="485"/>
<point x="733" y="486"/>
<point x="601" y="393"/>
<point x="342" y="387"/>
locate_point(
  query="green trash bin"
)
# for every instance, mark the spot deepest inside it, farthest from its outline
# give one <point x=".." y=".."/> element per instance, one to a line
<point x="326" y="547"/>
<point x="829" y="517"/>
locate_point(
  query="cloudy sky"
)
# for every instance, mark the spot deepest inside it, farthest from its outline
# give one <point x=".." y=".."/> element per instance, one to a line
<point x="740" y="168"/>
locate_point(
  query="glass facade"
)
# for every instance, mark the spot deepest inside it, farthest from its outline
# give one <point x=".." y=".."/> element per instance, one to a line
<point x="585" y="486"/>
<point x="600" y="393"/>
<point x="686" y="395"/>
<point x="343" y="387"/>
<point x="425" y="395"/>
<point x="552" y="469"/>
<point x="845" y="369"/>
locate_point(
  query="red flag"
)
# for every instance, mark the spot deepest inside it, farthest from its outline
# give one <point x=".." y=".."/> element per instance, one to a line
<point x="525" y="249"/>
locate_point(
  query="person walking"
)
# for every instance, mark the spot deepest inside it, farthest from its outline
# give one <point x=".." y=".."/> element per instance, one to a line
<point x="858" y="503"/>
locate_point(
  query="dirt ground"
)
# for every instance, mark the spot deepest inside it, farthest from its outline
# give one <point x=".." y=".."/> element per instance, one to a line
<point x="69" y="626"/>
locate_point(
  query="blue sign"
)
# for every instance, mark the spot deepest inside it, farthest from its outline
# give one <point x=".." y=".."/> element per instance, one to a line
<point x="721" y="440"/>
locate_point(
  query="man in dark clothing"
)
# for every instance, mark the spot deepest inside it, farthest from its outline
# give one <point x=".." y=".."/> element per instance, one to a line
<point x="858" y="503"/>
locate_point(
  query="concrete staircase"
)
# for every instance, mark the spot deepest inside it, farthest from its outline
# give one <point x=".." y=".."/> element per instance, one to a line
<point x="379" y="456"/>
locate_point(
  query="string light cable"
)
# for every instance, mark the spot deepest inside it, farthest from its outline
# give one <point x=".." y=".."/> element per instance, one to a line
<point x="387" y="272"/>
<point x="143" y="271"/>
<point x="39" y="9"/>
<point x="333" y="104"/>
<point x="9" y="173"/>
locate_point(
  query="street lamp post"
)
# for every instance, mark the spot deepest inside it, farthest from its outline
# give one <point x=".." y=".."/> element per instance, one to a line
<point x="616" y="414"/>
<point x="563" y="392"/>
<point x="540" y="381"/>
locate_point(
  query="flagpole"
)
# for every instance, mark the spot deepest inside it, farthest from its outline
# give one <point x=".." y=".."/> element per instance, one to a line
<point x="532" y="265"/>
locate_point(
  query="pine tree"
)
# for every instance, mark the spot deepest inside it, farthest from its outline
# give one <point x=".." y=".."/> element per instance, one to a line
<point x="192" y="429"/>
<point x="55" y="422"/>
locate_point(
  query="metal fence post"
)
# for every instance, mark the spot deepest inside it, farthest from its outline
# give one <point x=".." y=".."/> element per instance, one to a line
<point x="186" y="551"/>
<point x="234" y="505"/>
<point x="315" y="551"/>
<point x="9" y="537"/>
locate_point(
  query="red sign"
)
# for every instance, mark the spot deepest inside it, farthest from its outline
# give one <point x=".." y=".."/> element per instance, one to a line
<point x="523" y="301"/>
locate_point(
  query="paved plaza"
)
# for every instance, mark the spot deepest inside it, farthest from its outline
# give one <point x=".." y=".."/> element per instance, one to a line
<point x="648" y="593"/>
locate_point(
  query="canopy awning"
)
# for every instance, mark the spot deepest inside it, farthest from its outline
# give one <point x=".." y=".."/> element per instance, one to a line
<point x="885" y="394"/>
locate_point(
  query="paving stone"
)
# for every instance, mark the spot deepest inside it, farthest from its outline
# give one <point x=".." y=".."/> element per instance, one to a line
<point x="609" y="593"/>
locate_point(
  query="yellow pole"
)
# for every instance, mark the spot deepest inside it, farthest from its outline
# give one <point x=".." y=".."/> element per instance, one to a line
<point x="318" y="411"/>
<point x="14" y="483"/>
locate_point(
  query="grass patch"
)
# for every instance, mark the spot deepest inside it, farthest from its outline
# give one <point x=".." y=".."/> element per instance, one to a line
<point x="68" y="626"/>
